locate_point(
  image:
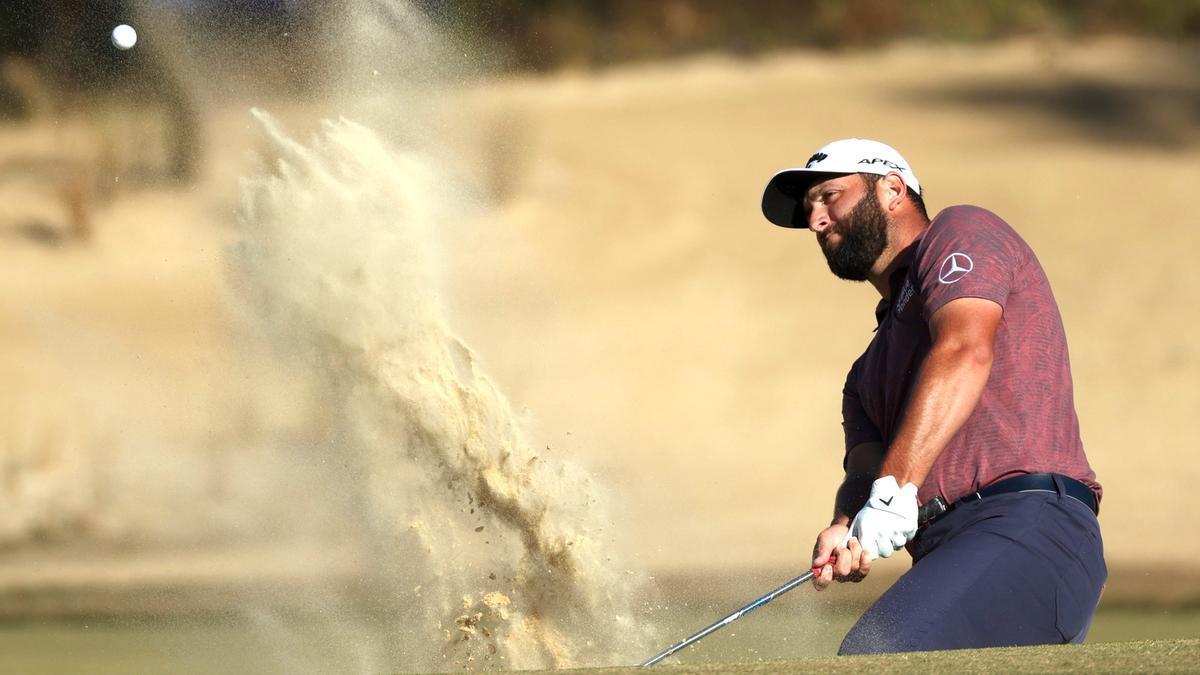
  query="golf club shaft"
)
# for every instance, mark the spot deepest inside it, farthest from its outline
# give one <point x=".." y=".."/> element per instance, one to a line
<point x="733" y="617"/>
<point x="926" y="514"/>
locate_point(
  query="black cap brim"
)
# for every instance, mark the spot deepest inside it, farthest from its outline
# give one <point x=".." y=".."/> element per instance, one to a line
<point x="783" y="198"/>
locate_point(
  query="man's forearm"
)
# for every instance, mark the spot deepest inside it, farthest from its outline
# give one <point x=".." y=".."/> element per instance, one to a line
<point x="947" y="390"/>
<point x="851" y="496"/>
<point x="862" y="468"/>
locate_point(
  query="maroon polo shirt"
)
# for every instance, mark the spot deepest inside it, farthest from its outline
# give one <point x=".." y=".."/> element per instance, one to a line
<point x="1025" y="421"/>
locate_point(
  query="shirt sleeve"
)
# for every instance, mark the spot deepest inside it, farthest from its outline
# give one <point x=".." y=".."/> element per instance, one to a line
<point x="967" y="252"/>
<point x="857" y="426"/>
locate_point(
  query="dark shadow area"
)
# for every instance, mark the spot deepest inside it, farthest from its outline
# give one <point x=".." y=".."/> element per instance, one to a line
<point x="548" y="34"/>
<point x="1163" y="115"/>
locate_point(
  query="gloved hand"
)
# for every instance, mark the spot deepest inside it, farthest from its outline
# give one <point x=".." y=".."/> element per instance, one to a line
<point x="888" y="520"/>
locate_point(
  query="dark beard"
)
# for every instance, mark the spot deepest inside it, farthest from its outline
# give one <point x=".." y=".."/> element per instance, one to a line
<point x="864" y="236"/>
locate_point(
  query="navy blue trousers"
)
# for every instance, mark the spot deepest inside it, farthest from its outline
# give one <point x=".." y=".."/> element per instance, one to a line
<point x="1021" y="568"/>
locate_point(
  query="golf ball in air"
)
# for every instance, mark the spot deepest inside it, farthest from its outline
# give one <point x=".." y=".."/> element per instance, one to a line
<point x="124" y="36"/>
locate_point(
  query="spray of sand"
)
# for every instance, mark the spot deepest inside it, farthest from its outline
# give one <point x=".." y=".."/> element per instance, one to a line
<point x="505" y="546"/>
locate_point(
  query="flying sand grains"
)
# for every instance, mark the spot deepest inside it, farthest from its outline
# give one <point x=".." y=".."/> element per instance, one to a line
<point x="336" y="251"/>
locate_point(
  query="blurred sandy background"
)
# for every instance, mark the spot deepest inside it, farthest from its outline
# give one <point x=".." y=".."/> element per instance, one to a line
<point x="696" y="354"/>
<point x="612" y="271"/>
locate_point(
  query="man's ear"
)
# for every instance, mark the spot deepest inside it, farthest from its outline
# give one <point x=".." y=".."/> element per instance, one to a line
<point x="894" y="190"/>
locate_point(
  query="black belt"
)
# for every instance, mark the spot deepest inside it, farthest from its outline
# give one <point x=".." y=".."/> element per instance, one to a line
<point x="1036" y="482"/>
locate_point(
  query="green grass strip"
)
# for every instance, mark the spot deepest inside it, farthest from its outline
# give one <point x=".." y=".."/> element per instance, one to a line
<point x="1146" y="656"/>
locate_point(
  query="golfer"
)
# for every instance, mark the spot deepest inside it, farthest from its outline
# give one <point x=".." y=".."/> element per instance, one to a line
<point x="963" y="393"/>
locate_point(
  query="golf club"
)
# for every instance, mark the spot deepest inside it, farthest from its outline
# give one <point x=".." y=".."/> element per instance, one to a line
<point x="928" y="511"/>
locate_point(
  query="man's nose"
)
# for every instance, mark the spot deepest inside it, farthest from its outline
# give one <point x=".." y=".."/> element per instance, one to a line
<point x="818" y="220"/>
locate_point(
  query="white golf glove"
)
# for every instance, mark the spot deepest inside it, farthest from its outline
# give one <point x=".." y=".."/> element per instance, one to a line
<point x="888" y="520"/>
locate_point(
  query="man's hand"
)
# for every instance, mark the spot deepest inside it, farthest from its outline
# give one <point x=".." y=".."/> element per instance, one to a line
<point x="835" y="559"/>
<point x="888" y="520"/>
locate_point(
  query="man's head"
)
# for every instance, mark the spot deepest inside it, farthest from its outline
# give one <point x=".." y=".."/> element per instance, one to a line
<point x="782" y="201"/>
<point x="848" y="194"/>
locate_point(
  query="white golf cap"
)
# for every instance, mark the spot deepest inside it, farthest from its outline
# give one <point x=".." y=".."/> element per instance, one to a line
<point x="782" y="201"/>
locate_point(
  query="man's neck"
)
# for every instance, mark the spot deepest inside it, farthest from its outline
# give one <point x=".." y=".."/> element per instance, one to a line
<point x="901" y="235"/>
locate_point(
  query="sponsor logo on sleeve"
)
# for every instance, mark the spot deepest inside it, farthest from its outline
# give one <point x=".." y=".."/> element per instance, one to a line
<point x="954" y="267"/>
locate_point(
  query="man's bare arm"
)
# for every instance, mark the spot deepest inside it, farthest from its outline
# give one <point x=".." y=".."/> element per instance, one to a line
<point x="947" y="390"/>
<point x="948" y="387"/>
<point x="862" y="468"/>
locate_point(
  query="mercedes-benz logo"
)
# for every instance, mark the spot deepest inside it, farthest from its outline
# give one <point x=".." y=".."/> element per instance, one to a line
<point x="955" y="267"/>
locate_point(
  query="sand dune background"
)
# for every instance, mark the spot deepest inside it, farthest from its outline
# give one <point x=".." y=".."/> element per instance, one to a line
<point x="613" y="273"/>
